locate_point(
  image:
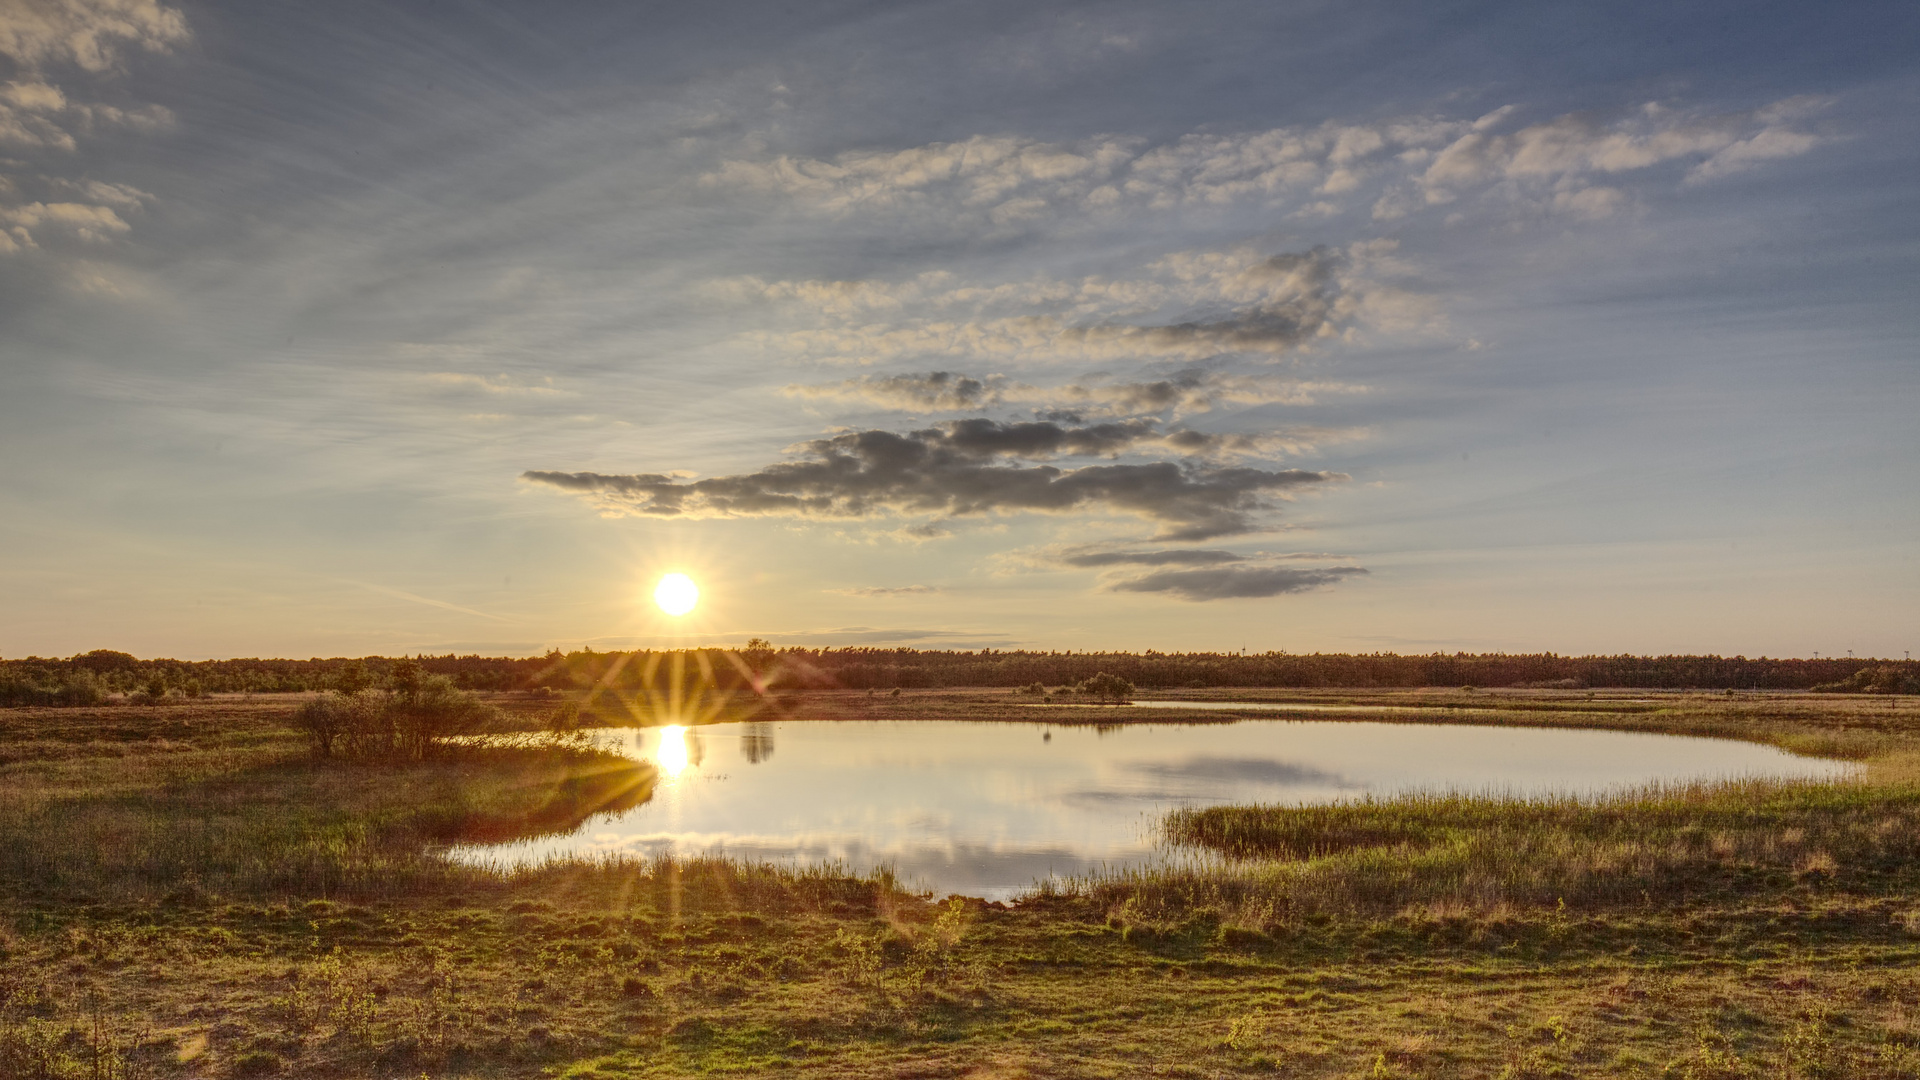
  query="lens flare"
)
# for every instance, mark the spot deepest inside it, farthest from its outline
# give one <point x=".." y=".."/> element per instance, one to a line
<point x="676" y="594"/>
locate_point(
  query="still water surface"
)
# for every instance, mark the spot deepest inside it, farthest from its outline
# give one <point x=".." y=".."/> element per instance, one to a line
<point x="989" y="809"/>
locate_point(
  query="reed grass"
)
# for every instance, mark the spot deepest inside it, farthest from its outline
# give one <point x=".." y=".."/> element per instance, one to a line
<point x="250" y="822"/>
<point x="190" y="892"/>
<point x="1657" y="849"/>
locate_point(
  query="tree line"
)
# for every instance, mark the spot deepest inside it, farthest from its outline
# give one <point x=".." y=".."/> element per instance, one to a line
<point x="101" y="675"/>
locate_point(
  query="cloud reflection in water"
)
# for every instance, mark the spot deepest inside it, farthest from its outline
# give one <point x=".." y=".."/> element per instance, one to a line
<point x="989" y="808"/>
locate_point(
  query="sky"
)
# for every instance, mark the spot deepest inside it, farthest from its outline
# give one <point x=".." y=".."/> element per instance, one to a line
<point x="358" y="328"/>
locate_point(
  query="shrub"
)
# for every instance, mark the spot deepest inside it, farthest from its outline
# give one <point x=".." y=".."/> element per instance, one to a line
<point x="326" y="720"/>
<point x="435" y="712"/>
<point x="81" y="688"/>
<point x="399" y="725"/>
<point x="1106" y="686"/>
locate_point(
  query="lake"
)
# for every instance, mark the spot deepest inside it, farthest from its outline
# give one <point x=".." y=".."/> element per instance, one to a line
<point x="990" y="809"/>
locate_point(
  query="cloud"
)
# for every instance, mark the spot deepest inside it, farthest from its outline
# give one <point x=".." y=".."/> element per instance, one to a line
<point x="1004" y="182"/>
<point x="85" y="221"/>
<point x="867" y="635"/>
<point x="1561" y="157"/>
<point x="888" y="591"/>
<point x="40" y="118"/>
<point x="1267" y="444"/>
<point x="498" y="385"/>
<point x="26" y="128"/>
<point x="418" y="599"/>
<point x="87" y="33"/>
<point x="981" y="437"/>
<point x="1190" y="391"/>
<point x="1194" y="574"/>
<point x="1188" y="307"/>
<point x="1052" y="437"/>
<point x="1235" y="582"/>
<point x="956" y="471"/>
<point x="144" y="118"/>
<point x="125" y="196"/>
<point x="1098" y="556"/>
<point x="1195" y="391"/>
<point x="1047" y="439"/>
<point x="935" y="391"/>
<point x="1008" y="180"/>
<point x="997" y="176"/>
<point x="919" y="532"/>
<point x="1240" y="770"/>
<point x="33" y="95"/>
<point x="1766" y="145"/>
<point x="1165" y="557"/>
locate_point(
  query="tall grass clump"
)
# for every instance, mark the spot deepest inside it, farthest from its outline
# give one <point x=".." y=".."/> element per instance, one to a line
<point x="240" y="823"/>
<point x="1660" y="847"/>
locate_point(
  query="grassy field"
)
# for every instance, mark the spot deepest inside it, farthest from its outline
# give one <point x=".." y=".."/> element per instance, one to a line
<point x="185" y="891"/>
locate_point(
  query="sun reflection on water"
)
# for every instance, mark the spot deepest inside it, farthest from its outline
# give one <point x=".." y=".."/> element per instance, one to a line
<point x="673" y="750"/>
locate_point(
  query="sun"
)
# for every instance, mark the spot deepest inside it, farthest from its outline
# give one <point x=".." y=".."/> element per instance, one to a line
<point x="676" y="594"/>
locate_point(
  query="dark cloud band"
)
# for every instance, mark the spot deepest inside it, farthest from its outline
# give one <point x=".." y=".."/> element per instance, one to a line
<point x="958" y="470"/>
<point x="1235" y="582"/>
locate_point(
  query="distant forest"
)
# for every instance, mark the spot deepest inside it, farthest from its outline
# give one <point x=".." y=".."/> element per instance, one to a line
<point x="97" y="676"/>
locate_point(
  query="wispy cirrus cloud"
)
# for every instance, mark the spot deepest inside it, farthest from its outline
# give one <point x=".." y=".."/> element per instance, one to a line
<point x="493" y="385"/>
<point x="888" y="591"/>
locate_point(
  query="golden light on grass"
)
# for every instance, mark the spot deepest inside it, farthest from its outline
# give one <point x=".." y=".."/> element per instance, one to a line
<point x="676" y="594"/>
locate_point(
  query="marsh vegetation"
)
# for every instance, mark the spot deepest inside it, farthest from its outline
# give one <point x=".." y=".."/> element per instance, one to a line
<point x="195" y="891"/>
